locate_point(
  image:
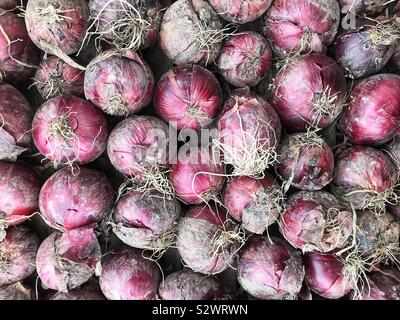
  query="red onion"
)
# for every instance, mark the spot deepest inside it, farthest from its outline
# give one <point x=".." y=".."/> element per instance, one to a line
<point x="325" y="274"/>
<point x="15" y="291"/>
<point x="125" y="24"/>
<point x="256" y="204"/>
<point x="9" y="4"/>
<point x="315" y="221"/>
<point x="363" y="6"/>
<point x="189" y="285"/>
<point x="69" y="200"/>
<point x="249" y="132"/>
<point x="85" y="293"/>
<point x="365" y="177"/>
<point x="126" y="275"/>
<point x="65" y="261"/>
<point x="189" y="95"/>
<point x="309" y="91"/>
<point x="146" y="221"/>
<point x="240" y="11"/>
<point x="245" y="59"/>
<point x="68" y="130"/>
<point x="19" y="193"/>
<point x="306" y="161"/>
<point x="396" y="57"/>
<point x="207" y="241"/>
<point x="17" y="254"/>
<point x="197" y="176"/>
<point x="55" y="78"/>
<point x="18" y="54"/>
<point x="270" y="270"/>
<point x="302" y="26"/>
<point x="119" y="83"/>
<point x="191" y="32"/>
<point x="15" y="123"/>
<point x="393" y="150"/>
<point x="373" y="114"/>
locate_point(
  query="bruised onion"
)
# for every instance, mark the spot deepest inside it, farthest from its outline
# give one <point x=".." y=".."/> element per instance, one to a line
<point x="315" y="221"/>
<point x="373" y="114"/>
<point x="207" y="241"/>
<point x="249" y="131"/>
<point x="68" y="130"/>
<point x="119" y="83"/>
<point x="85" y="293"/>
<point x="65" y="261"/>
<point x="245" y="59"/>
<point x="68" y="200"/>
<point x="363" y="6"/>
<point x="16" y="291"/>
<point x="15" y="123"/>
<point x="306" y="161"/>
<point x="189" y="95"/>
<point x="256" y="204"/>
<point x="302" y="26"/>
<point x="270" y="269"/>
<point x="309" y="91"/>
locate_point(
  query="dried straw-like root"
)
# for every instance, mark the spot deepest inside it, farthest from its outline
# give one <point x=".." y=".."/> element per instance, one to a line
<point x="323" y="105"/>
<point x="386" y="254"/>
<point x="116" y="106"/>
<point x="197" y="113"/>
<point x="385" y="34"/>
<point x="5" y="258"/>
<point x="51" y="88"/>
<point x="159" y="246"/>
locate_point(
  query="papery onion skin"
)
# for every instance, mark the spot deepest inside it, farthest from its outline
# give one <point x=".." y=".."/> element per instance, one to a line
<point x="196" y="234"/>
<point x="16" y="291"/>
<point x="19" y="192"/>
<point x="307" y="218"/>
<point x="189" y="95"/>
<point x="15" y="122"/>
<point x="180" y="32"/>
<point x="245" y="59"/>
<point x="254" y="203"/>
<point x="69" y="200"/>
<point x="127" y="275"/>
<point x="189" y="285"/>
<point x="363" y="6"/>
<point x="287" y="23"/>
<point x="18" y="54"/>
<point x="373" y="115"/>
<point x="85" y="293"/>
<point x="270" y="270"/>
<point x="119" y="83"/>
<point x="65" y="261"/>
<point x="324" y="275"/>
<point x="309" y="91"/>
<point x="68" y="129"/>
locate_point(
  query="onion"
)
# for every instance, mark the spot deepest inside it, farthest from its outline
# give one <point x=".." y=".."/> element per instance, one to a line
<point x="19" y="193"/>
<point x="393" y="150"/>
<point x="189" y="285"/>
<point x="15" y="123"/>
<point x="270" y="270"/>
<point x="85" y="293"/>
<point x="365" y="178"/>
<point x="306" y="161"/>
<point x="18" y="54"/>
<point x="17" y="255"/>
<point x="363" y="6"/>
<point x="256" y="204"/>
<point x="245" y="59"/>
<point x="373" y="114"/>
<point x="197" y="176"/>
<point x="9" y="4"/>
<point x="119" y="83"/>
<point x="65" y="261"/>
<point x="207" y="241"/>
<point x="396" y="57"/>
<point x="191" y="32"/>
<point x="189" y="95"/>
<point x="146" y="221"/>
<point x="309" y="91"/>
<point x="315" y="221"/>
<point x="15" y="291"/>
<point x="249" y="130"/>
<point x="69" y="200"/>
<point x="126" y="275"/>
<point x="302" y="26"/>
<point x="55" y="77"/>
<point x="68" y="130"/>
<point x="125" y="24"/>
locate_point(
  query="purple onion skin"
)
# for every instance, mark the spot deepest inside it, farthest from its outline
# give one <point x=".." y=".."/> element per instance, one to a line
<point x="324" y="275"/>
<point x="16" y="291"/>
<point x="393" y="149"/>
<point x="85" y="293"/>
<point x="189" y="95"/>
<point x="9" y="4"/>
<point x="363" y="6"/>
<point x="245" y="59"/>
<point x="189" y="285"/>
<point x="270" y="270"/>
<point x="373" y="115"/>
<point x="126" y="275"/>
<point x="396" y="57"/>
<point x="301" y="85"/>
